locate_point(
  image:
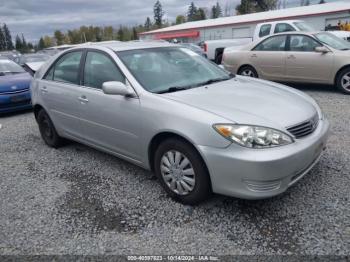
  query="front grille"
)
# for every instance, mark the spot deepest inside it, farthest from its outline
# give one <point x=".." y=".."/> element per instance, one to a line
<point x="305" y="128"/>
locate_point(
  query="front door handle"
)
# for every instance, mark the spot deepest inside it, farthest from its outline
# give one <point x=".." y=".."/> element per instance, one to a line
<point x="44" y="89"/>
<point x="253" y="56"/>
<point x="291" y="57"/>
<point x="83" y="99"/>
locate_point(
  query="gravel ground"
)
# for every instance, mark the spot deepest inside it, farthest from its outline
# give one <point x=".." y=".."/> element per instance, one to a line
<point x="76" y="200"/>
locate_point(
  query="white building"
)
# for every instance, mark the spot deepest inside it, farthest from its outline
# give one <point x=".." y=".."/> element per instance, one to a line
<point x="320" y="16"/>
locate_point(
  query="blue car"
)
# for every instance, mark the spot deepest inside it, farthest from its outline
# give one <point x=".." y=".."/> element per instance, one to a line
<point x="14" y="87"/>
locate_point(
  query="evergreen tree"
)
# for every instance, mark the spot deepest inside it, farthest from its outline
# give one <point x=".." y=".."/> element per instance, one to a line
<point x="201" y="14"/>
<point x="134" y="34"/>
<point x="8" y="37"/>
<point x="2" y="40"/>
<point x="19" y="44"/>
<point x="41" y="44"/>
<point x="192" y="12"/>
<point x="158" y="14"/>
<point x="120" y="34"/>
<point x="148" y="24"/>
<point x="24" y="44"/>
<point x="216" y="11"/>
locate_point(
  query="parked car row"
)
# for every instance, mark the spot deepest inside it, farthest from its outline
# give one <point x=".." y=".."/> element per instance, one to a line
<point x="165" y="108"/>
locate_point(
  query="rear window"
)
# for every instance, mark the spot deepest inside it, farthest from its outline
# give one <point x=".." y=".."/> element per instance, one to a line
<point x="265" y="30"/>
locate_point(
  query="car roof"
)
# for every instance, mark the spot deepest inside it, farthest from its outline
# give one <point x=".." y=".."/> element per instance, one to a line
<point x="124" y="46"/>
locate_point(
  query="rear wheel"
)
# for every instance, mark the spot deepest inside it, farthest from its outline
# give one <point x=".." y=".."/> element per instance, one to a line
<point x="47" y="130"/>
<point x="182" y="172"/>
<point x="248" y="71"/>
<point x="343" y="81"/>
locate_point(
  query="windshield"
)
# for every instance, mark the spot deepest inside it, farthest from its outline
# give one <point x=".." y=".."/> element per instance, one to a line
<point x="9" y="67"/>
<point x="171" y="69"/>
<point x="333" y="41"/>
<point x="305" y="27"/>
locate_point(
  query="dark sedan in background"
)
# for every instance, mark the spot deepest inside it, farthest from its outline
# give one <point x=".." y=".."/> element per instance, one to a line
<point x="14" y="87"/>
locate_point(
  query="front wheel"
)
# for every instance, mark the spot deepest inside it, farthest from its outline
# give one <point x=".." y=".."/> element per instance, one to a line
<point x="343" y="81"/>
<point x="248" y="71"/>
<point x="182" y="172"/>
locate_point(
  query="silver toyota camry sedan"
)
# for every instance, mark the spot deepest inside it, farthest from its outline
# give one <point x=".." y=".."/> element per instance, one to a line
<point x="165" y="108"/>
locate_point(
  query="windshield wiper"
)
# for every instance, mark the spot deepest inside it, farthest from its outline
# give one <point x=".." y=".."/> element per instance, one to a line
<point x="214" y="80"/>
<point x="172" y="89"/>
<point x="345" y="49"/>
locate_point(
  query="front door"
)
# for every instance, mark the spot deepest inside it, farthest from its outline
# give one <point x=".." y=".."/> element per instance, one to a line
<point x="109" y="121"/>
<point x="304" y="64"/>
<point x="61" y="89"/>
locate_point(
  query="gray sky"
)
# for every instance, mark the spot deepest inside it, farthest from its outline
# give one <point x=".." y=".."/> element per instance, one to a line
<point x="35" y="18"/>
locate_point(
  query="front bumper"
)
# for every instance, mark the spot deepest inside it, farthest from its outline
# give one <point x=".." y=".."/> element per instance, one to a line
<point x="262" y="173"/>
<point x="15" y="101"/>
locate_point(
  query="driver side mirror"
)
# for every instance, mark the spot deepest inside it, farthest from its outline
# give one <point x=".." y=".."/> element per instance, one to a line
<point x="117" y="88"/>
<point x="321" y="49"/>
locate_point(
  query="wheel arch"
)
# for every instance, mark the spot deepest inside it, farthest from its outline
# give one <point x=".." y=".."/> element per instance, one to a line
<point x="164" y="135"/>
<point x="338" y="72"/>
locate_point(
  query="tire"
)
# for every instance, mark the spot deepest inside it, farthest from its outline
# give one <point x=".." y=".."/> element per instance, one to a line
<point x="48" y="131"/>
<point x="343" y="81"/>
<point x="188" y="187"/>
<point x="218" y="59"/>
<point x="248" y="71"/>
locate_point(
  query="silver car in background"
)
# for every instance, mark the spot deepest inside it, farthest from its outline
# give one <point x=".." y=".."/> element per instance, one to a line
<point x="165" y="108"/>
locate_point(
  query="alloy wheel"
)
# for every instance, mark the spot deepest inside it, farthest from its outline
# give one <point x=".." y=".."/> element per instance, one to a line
<point x="177" y="172"/>
<point x="248" y="72"/>
<point x="345" y="81"/>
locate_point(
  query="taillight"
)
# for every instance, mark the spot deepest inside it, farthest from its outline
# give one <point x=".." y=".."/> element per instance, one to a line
<point x="205" y="47"/>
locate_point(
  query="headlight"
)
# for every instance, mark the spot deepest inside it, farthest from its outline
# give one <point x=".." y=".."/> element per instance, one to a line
<point x="253" y="136"/>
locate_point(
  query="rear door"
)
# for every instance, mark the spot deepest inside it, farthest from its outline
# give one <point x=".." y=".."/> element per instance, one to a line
<point x="61" y="89"/>
<point x="304" y="64"/>
<point x="109" y="121"/>
<point x="269" y="57"/>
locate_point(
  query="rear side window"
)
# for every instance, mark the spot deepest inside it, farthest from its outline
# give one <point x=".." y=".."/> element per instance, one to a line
<point x="66" y="68"/>
<point x="275" y="43"/>
<point x="283" y="27"/>
<point x="265" y="30"/>
<point x="100" y="68"/>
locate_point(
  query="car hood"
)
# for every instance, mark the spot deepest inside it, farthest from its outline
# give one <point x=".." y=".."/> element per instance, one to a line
<point x="249" y="101"/>
<point x="16" y="82"/>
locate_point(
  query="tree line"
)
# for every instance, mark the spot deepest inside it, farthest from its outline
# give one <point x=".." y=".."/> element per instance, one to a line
<point x="126" y="33"/>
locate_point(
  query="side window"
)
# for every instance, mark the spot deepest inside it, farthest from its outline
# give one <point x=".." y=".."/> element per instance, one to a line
<point x="301" y="43"/>
<point x="99" y="68"/>
<point x="275" y="43"/>
<point x="283" y="27"/>
<point x="265" y="30"/>
<point x="66" y="68"/>
<point x="49" y="75"/>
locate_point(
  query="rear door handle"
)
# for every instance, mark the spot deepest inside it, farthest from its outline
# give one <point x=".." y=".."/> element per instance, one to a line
<point x="83" y="99"/>
<point x="291" y="57"/>
<point x="44" y="89"/>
